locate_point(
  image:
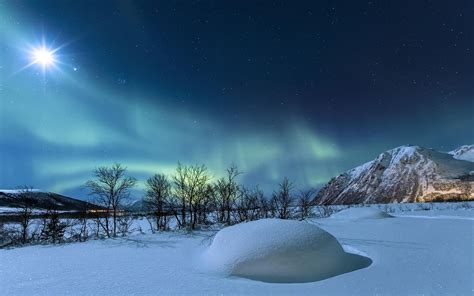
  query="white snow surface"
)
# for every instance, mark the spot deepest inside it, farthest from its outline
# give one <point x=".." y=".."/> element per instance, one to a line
<point x="412" y="255"/>
<point x="274" y="250"/>
<point x="14" y="191"/>
<point x="9" y="210"/>
<point x="361" y="213"/>
<point x="465" y="152"/>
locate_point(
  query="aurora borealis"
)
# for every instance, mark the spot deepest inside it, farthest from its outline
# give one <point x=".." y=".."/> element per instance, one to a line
<point x="303" y="90"/>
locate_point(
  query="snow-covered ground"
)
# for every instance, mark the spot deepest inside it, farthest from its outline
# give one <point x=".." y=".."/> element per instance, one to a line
<point x="5" y="210"/>
<point x="18" y="190"/>
<point x="419" y="252"/>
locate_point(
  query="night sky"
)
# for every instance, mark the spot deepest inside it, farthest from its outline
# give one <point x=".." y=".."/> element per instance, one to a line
<point x="299" y="89"/>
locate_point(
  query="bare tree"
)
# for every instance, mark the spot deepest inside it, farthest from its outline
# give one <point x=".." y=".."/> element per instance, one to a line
<point x="205" y="204"/>
<point x="226" y="192"/>
<point x="248" y="205"/>
<point x="282" y="199"/>
<point x="190" y="191"/>
<point x="179" y="198"/>
<point x="124" y="223"/>
<point x="152" y="222"/>
<point x="98" y="224"/>
<point x="53" y="229"/>
<point x="111" y="187"/>
<point x="272" y="205"/>
<point x="156" y="198"/>
<point x="255" y="206"/>
<point x="264" y="206"/>
<point x="25" y="199"/>
<point x="79" y="230"/>
<point x="197" y="191"/>
<point x="305" y="202"/>
<point x="8" y="235"/>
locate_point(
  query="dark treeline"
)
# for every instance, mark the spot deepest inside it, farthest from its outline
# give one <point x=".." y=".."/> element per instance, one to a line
<point x="187" y="199"/>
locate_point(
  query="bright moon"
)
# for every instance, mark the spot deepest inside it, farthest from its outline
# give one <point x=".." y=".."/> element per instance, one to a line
<point x="43" y="57"/>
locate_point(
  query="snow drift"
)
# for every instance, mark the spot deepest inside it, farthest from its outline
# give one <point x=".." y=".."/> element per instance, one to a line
<point x="361" y="213"/>
<point x="285" y="251"/>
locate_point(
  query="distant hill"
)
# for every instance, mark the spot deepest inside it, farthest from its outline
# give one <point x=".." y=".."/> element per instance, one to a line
<point x="465" y="152"/>
<point x="405" y="174"/>
<point x="137" y="206"/>
<point x="44" y="200"/>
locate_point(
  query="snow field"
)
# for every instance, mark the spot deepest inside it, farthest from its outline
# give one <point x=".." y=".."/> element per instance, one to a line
<point x="411" y="255"/>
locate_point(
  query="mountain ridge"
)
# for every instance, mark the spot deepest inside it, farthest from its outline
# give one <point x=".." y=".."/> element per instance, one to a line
<point x="43" y="200"/>
<point x="404" y="174"/>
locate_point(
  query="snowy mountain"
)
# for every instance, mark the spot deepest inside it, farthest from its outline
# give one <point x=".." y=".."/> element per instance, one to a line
<point x="405" y="174"/>
<point x="43" y="200"/>
<point x="465" y="152"/>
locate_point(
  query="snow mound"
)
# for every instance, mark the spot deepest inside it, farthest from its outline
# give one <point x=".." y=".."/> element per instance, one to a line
<point x="361" y="213"/>
<point x="280" y="251"/>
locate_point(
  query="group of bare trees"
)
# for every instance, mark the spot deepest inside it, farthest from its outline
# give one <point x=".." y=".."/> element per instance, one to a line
<point x="189" y="201"/>
<point x="50" y="230"/>
<point x="189" y="197"/>
<point x="192" y="199"/>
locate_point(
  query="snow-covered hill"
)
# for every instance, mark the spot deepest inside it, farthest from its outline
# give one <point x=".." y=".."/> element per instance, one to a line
<point x="404" y="174"/>
<point x="465" y="152"/>
<point x="41" y="200"/>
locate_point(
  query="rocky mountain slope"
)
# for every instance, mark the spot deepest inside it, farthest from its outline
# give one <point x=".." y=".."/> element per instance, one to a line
<point x="405" y="174"/>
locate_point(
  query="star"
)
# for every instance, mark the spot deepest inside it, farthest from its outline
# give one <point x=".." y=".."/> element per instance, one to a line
<point x="43" y="57"/>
